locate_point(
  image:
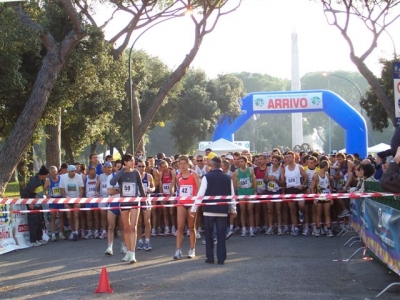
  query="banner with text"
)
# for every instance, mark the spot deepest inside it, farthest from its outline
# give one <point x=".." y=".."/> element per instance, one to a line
<point x="300" y="101"/>
<point x="378" y="226"/>
<point x="14" y="230"/>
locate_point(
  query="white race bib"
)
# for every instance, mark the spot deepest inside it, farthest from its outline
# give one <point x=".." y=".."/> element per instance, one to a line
<point x="166" y="188"/>
<point x="245" y="183"/>
<point x="292" y="181"/>
<point x="129" y="189"/>
<point x="186" y="190"/>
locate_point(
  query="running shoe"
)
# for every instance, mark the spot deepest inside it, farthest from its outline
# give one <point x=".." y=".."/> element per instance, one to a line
<point x="103" y="235"/>
<point x="301" y="216"/>
<point x="198" y="235"/>
<point x="317" y="232"/>
<point x="215" y="241"/>
<point x="252" y="234"/>
<point x="159" y="231"/>
<point x="89" y="235"/>
<point x="314" y="229"/>
<point x="132" y="258"/>
<point x="325" y="231"/>
<point x="257" y="230"/>
<point x="229" y="234"/>
<point x="119" y="234"/>
<point x="270" y="231"/>
<point x="153" y="232"/>
<point x="139" y="245"/>
<point x="200" y="230"/>
<point x="178" y="255"/>
<point x="285" y="230"/>
<point x="43" y="242"/>
<point x="36" y="244"/>
<point x="329" y="233"/>
<point x="123" y="250"/>
<point x="167" y="232"/>
<point x="173" y="231"/>
<point x="306" y="231"/>
<point x="295" y="231"/>
<point x="53" y="238"/>
<point x="82" y="233"/>
<point x="147" y="246"/>
<point x="96" y="234"/>
<point x="343" y="214"/>
<point x="280" y="231"/>
<point x="191" y="254"/>
<point x="203" y="242"/>
<point x="109" y="251"/>
<point x="244" y="232"/>
<point x="61" y="236"/>
<point x="126" y="257"/>
<point x="75" y="236"/>
<point x="265" y="229"/>
<point x="187" y="232"/>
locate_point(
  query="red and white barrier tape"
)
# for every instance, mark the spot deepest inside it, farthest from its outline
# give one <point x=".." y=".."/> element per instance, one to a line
<point x="292" y="197"/>
<point x="249" y="199"/>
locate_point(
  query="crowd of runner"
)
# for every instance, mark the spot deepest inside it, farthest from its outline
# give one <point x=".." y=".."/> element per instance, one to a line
<point x="267" y="173"/>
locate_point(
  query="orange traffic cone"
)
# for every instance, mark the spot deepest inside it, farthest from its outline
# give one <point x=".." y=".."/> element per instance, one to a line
<point x="104" y="285"/>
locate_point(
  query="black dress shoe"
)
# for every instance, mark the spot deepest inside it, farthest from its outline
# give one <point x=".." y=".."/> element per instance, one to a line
<point x="209" y="261"/>
<point x="221" y="262"/>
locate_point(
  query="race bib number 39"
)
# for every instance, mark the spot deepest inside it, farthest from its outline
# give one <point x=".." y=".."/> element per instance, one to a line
<point x="128" y="189"/>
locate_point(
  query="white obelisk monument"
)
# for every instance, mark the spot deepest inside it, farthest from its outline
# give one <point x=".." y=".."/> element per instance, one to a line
<point x="297" y="118"/>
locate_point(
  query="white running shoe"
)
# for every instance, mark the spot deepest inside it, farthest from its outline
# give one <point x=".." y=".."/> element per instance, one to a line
<point x="244" y="232"/>
<point x="198" y="235"/>
<point x="191" y="253"/>
<point x="280" y="231"/>
<point x="89" y="235"/>
<point x="132" y="258"/>
<point x="167" y="232"/>
<point x="252" y="234"/>
<point x="126" y="257"/>
<point x="109" y="251"/>
<point x="173" y="231"/>
<point x="103" y="235"/>
<point x="61" y="236"/>
<point x="96" y="234"/>
<point x="36" y="244"/>
<point x="53" y="237"/>
<point x="123" y="250"/>
<point x="178" y="255"/>
<point x="153" y="232"/>
<point x="270" y="231"/>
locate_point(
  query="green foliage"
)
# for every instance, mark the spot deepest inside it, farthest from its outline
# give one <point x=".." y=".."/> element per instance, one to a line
<point x="375" y="111"/>
<point x="200" y="105"/>
<point x="19" y="64"/>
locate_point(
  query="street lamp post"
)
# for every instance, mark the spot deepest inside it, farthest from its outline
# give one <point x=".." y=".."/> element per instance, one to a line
<point x="130" y="92"/>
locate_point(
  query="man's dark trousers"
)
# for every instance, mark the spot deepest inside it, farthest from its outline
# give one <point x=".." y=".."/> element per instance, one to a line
<point x="221" y="225"/>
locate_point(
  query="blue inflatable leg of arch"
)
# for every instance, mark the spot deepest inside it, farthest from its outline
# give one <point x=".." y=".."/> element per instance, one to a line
<point x="356" y="137"/>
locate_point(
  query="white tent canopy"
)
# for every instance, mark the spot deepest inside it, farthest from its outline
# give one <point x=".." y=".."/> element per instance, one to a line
<point x="221" y="146"/>
<point x="378" y="148"/>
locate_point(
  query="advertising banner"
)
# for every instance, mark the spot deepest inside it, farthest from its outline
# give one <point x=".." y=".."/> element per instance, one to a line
<point x="300" y="102"/>
<point x="396" y="90"/>
<point x="378" y="226"/>
<point x="14" y="230"/>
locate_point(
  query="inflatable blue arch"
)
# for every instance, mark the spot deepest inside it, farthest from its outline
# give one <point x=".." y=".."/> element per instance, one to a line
<point x="302" y="101"/>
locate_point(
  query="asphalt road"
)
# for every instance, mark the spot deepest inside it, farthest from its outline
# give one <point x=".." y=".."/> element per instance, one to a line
<point x="263" y="267"/>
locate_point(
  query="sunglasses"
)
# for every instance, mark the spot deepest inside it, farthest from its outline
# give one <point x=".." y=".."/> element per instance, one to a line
<point x="140" y="166"/>
<point x="199" y="160"/>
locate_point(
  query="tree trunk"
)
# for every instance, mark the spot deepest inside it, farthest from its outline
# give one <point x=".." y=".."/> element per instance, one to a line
<point x="53" y="141"/>
<point x="19" y="139"/>
<point x="173" y="79"/>
<point x="376" y="87"/>
<point x="93" y="147"/>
